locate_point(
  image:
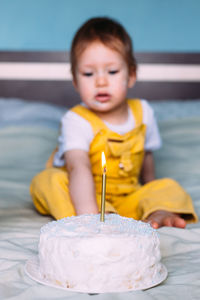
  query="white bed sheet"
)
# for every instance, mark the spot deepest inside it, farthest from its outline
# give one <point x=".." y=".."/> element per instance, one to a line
<point x="27" y="136"/>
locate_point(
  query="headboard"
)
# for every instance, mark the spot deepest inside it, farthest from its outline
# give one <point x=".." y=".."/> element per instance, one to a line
<point x="45" y="76"/>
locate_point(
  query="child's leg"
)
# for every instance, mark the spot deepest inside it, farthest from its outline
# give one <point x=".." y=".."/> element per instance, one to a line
<point x="50" y="194"/>
<point x="108" y="206"/>
<point x="127" y="206"/>
<point x="166" y="195"/>
<point x="158" y="195"/>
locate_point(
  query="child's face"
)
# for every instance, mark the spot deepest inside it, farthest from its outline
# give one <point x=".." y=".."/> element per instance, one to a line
<point x="102" y="78"/>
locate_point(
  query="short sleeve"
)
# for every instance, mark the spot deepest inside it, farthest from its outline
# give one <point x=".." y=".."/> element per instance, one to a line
<point x="153" y="138"/>
<point x="76" y="133"/>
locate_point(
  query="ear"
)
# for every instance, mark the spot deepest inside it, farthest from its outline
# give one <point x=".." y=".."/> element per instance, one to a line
<point x="131" y="79"/>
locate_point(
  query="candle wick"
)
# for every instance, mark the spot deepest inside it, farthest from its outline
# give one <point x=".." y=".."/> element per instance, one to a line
<point x="104" y="170"/>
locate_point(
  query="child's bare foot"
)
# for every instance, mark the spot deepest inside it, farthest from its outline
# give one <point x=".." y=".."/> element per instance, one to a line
<point x="161" y="218"/>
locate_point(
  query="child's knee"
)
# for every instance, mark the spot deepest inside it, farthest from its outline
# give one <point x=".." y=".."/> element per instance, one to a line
<point x="48" y="179"/>
<point x="55" y="176"/>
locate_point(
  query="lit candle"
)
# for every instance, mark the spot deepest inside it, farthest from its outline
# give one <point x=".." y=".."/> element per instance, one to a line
<point x="103" y="191"/>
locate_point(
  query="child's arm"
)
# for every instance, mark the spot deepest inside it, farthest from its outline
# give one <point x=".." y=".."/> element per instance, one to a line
<point x="148" y="169"/>
<point x="81" y="183"/>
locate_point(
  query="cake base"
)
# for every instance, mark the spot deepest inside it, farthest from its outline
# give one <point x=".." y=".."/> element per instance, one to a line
<point x="32" y="270"/>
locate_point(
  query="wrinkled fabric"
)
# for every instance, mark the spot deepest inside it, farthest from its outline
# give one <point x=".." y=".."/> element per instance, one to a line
<point x="23" y="153"/>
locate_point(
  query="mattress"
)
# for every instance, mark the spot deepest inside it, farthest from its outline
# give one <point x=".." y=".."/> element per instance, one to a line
<point x="28" y="134"/>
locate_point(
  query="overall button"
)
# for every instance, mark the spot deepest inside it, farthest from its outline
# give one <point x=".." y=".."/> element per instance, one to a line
<point x="121" y="165"/>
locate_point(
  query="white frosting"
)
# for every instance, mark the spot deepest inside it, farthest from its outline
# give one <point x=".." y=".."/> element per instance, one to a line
<point x="92" y="256"/>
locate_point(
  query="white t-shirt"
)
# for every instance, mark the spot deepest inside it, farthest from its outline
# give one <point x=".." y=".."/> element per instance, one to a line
<point x="77" y="133"/>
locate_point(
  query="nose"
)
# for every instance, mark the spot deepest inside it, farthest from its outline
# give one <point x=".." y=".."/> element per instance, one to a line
<point x="101" y="80"/>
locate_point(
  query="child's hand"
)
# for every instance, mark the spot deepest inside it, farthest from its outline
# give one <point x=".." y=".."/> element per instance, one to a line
<point x="161" y="218"/>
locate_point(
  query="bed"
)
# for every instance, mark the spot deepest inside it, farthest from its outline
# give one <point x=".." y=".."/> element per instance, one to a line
<point x="35" y="91"/>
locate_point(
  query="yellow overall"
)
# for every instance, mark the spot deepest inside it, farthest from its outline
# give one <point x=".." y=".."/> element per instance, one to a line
<point x="124" y="159"/>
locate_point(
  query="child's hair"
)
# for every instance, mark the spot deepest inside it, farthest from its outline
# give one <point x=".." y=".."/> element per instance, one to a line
<point x="107" y="31"/>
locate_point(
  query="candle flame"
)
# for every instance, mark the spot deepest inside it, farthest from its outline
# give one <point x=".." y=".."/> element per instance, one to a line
<point x="103" y="162"/>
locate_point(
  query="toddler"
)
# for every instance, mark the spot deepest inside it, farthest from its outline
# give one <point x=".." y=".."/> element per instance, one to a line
<point x="104" y="68"/>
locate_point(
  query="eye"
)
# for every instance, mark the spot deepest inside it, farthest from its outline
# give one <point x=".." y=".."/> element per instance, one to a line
<point x="112" y="72"/>
<point x="87" y="74"/>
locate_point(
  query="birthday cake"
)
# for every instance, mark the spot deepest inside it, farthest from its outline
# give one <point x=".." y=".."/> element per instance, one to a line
<point x="87" y="255"/>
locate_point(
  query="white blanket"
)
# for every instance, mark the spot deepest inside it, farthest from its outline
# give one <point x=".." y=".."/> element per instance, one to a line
<point x="28" y="133"/>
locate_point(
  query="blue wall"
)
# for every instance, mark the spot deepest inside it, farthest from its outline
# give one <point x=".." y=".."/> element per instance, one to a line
<point x="154" y="25"/>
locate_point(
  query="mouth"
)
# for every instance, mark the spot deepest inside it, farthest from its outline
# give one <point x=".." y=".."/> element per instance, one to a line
<point x="102" y="97"/>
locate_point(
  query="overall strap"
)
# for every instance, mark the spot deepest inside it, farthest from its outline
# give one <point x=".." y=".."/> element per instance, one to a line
<point x="136" y="108"/>
<point x="96" y="123"/>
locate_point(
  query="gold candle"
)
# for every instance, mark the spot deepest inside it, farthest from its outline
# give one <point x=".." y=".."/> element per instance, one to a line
<point x="103" y="191"/>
